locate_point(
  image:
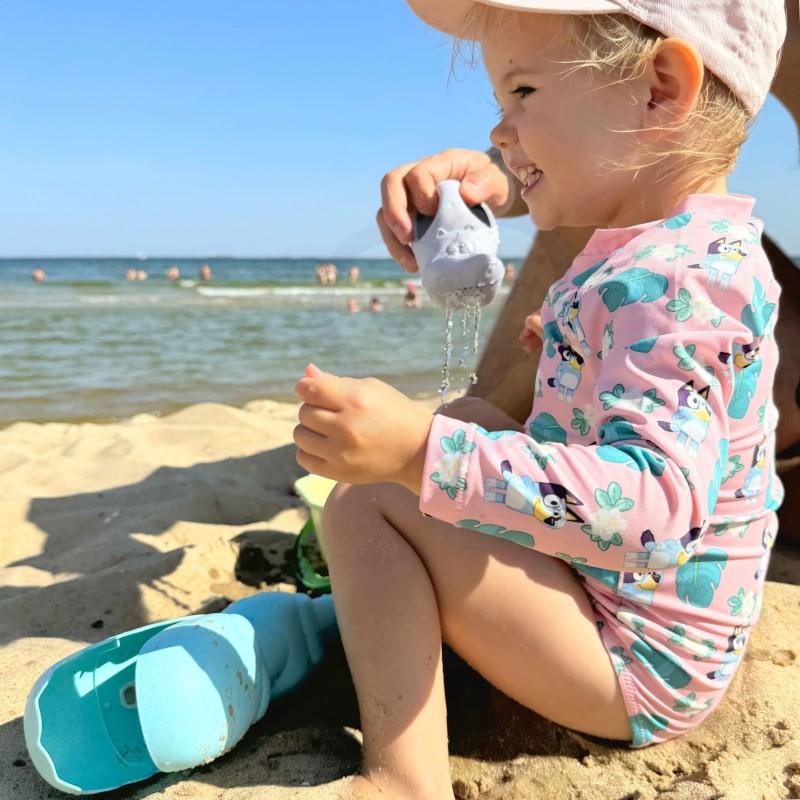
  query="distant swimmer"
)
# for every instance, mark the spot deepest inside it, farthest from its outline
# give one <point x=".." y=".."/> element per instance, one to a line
<point x="511" y="271"/>
<point x="205" y="273"/>
<point x="412" y="298"/>
<point x="130" y="275"/>
<point x="352" y="306"/>
<point x="354" y="274"/>
<point x="38" y="275"/>
<point x="173" y="273"/>
<point x="375" y="304"/>
<point x="141" y="275"/>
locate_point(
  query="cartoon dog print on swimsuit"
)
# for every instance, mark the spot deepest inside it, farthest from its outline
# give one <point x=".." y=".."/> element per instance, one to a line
<point x="665" y="554"/>
<point x="639" y="587"/>
<point x="569" y="313"/>
<point x="693" y="417"/>
<point x="744" y="355"/>
<point x="546" y="502"/>
<point x="722" y="262"/>
<point x="568" y="373"/>
<point x="736" y="643"/>
<point x="752" y="481"/>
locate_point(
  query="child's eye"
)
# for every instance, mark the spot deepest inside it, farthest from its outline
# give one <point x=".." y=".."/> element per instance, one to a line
<point x="521" y="92"/>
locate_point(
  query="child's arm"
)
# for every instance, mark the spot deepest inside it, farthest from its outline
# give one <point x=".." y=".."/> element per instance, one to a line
<point x="639" y="494"/>
<point x="600" y="504"/>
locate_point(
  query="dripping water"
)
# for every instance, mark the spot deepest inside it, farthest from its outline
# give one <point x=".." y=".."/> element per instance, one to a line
<point x="448" y="349"/>
<point x="468" y="302"/>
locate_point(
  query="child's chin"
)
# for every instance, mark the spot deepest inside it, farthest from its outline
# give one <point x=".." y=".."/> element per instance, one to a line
<point x="541" y="222"/>
<point x="549" y="222"/>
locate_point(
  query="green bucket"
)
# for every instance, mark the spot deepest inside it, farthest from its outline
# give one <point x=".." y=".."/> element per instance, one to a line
<point x="313" y="490"/>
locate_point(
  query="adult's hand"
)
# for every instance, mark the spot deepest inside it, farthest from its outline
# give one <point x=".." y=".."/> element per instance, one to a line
<point x="412" y="187"/>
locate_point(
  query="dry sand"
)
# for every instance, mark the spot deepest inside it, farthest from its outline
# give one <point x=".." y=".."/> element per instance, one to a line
<point x="110" y="527"/>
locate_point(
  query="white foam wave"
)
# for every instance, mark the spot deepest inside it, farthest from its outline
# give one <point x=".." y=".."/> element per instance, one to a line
<point x="101" y="300"/>
<point x="207" y="291"/>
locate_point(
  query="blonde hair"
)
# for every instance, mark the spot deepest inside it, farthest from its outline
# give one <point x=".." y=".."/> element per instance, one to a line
<point x="708" y="138"/>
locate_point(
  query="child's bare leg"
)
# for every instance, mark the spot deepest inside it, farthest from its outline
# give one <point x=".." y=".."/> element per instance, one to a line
<point x="389" y="619"/>
<point x="403" y="582"/>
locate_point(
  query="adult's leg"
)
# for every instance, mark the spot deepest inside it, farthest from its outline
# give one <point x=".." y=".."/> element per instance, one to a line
<point x="403" y="583"/>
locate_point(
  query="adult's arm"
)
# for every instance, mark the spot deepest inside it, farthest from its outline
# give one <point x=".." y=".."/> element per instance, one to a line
<point x="506" y="373"/>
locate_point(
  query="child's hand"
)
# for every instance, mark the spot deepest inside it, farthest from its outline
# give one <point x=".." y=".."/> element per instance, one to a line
<point x="531" y="336"/>
<point x="412" y="187"/>
<point x="360" y="430"/>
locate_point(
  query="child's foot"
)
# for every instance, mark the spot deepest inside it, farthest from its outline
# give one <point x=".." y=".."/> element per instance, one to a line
<point x="359" y="788"/>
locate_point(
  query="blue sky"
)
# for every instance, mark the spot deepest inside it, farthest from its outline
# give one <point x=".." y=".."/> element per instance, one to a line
<point x="249" y="128"/>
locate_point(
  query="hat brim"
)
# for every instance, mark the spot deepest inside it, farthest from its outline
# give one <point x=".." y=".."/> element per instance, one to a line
<point x="448" y="15"/>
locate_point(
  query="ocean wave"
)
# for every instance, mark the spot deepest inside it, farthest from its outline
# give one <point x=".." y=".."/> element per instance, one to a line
<point x="207" y="291"/>
<point x="99" y="299"/>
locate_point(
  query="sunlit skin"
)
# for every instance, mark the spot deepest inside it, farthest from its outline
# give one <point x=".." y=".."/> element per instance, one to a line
<point x="575" y="125"/>
<point x="572" y="124"/>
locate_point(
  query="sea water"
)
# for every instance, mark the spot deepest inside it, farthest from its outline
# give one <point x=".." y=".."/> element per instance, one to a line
<point x="469" y="303"/>
<point x="89" y="344"/>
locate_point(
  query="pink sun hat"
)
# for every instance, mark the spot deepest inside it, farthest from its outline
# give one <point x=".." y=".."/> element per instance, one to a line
<point x="739" y="40"/>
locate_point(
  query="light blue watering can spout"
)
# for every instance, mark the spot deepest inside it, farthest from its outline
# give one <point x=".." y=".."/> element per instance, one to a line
<point x="172" y="695"/>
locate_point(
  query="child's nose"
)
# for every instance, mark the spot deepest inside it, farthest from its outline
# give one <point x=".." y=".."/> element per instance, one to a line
<point x="503" y="134"/>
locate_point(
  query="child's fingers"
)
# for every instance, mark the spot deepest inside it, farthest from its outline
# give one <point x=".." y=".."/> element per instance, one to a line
<point x="313" y="371"/>
<point x="314" y="464"/>
<point x="420" y="183"/>
<point x="530" y="340"/>
<point x="395" y="203"/>
<point x="322" y="392"/>
<point x="486" y="185"/>
<point x="400" y="252"/>
<point x="310" y="441"/>
<point x="534" y="322"/>
<point x="316" y="419"/>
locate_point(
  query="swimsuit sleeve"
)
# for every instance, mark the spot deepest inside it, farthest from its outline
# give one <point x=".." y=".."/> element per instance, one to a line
<point x="638" y="497"/>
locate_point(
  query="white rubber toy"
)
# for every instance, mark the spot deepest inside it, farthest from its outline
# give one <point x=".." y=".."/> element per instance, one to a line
<point x="456" y="251"/>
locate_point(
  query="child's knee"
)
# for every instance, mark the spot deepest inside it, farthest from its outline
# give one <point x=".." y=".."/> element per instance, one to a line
<point x="350" y="505"/>
<point x="338" y="496"/>
<point x="344" y="505"/>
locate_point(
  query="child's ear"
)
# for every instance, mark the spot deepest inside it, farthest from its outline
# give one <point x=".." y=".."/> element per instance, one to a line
<point x="674" y="78"/>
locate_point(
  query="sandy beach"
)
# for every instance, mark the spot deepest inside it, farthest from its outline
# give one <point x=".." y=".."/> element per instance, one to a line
<point x="111" y="527"/>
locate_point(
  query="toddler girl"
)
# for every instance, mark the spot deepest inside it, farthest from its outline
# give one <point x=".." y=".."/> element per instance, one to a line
<point x="603" y="566"/>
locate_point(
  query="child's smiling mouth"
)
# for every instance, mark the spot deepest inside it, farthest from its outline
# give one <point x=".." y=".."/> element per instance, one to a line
<point x="529" y="176"/>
